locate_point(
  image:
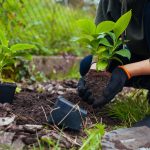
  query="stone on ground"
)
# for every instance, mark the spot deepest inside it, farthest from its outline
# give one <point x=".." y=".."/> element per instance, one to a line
<point x="129" y="139"/>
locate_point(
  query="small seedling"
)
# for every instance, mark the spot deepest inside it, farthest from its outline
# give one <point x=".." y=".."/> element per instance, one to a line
<point x="105" y="40"/>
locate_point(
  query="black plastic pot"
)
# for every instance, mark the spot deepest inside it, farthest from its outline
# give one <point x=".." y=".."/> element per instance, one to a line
<point x="7" y="91"/>
<point x="67" y="115"/>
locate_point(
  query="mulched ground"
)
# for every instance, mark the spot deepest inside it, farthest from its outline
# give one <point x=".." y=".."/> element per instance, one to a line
<point x="35" y="102"/>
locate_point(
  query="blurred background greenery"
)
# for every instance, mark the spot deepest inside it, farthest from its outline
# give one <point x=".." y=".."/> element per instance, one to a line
<point x="48" y="24"/>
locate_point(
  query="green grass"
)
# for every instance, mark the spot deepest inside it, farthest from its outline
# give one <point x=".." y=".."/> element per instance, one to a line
<point x="130" y="108"/>
<point x="47" y="143"/>
<point x="93" y="140"/>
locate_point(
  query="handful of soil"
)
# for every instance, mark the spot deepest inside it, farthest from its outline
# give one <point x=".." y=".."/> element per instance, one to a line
<point x="96" y="81"/>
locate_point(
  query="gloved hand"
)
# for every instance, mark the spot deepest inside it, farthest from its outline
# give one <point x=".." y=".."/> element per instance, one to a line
<point x="83" y="91"/>
<point x="117" y="81"/>
<point x="85" y="65"/>
<point x="115" y="85"/>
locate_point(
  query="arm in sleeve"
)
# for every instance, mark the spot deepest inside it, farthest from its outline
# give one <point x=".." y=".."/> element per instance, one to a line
<point x="101" y="14"/>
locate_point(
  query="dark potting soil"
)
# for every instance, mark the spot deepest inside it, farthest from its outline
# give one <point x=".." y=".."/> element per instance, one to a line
<point x="32" y="107"/>
<point x="96" y="82"/>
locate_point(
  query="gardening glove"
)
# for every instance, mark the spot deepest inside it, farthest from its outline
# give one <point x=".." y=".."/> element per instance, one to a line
<point x="116" y="83"/>
<point x="85" y="65"/>
<point x="83" y="91"/>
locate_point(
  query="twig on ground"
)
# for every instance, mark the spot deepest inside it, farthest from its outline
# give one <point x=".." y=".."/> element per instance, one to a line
<point x="24" y="118"/>
<point x="44" y="113"/>
<point x="50" y="101"/>
<point x="51" y="114"/>
<point x="67" y="136"/>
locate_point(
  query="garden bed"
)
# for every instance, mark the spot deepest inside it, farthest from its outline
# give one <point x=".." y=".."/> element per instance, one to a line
<point x="32" y="106"/>
<point x="35" y="102"/>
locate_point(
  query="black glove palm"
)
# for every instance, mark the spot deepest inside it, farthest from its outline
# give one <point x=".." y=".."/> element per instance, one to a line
<point x="115" y="85"/>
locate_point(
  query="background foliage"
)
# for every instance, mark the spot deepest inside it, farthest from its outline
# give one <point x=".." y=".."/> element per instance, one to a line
<point x="44" y="23"/>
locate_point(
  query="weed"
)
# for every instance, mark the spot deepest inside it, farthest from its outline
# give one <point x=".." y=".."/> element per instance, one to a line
<point x="93" y="140"/>
<point x="47" y="142"/>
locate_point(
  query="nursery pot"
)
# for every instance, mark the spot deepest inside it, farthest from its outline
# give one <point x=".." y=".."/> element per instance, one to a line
<point x="7" y="91"/>
<point x="67" y="114"/>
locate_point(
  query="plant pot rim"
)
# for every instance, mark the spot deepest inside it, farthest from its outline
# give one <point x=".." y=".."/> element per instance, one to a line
<point x="8" y="84"/>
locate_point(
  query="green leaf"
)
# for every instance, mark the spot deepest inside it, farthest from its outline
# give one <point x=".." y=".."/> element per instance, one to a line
<point x="8" y="68"/>
<point x="101" y="65"/>
<point x="94" y="43"/>
<point x="81" y="40"/>
<point x="116" y="58"/>
<point x="124" y="53"/>
<point x="100" y="36"/>
<point x="28" y="57"/>
<point x="93" y="139"/>
<point x="105" y="42"/>
<point x="122" y="23"/>
<point x="86" y="26"/>
<point x="100" y="50"/>
<point x="18" y="90"/>
<point x="7" y="80"/>
<point x="118" y="43"/>
<point x="5" y="50"/>
<point x="3" y="39"/>
<point x="105" y="55"/>
<point x="105" y="26"/>
<point x="8" y="61"/>
<point x="113" y="36"/>
<point x="25" y="56"/>
<point x="18" y="47"/>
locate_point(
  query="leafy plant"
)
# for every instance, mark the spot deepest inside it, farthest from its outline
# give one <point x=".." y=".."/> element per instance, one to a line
<point x="93" y="140"/>
<point x="105" y="40"/>
<point x="9" y="55"/>
<point x="130" y="108"/>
